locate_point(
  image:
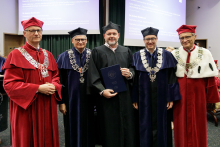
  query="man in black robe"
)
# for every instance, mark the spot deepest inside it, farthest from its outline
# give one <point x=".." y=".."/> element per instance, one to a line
<point x="155" y="89"/>
<point x="75" y="105"/>
<point x="115" y="111"/>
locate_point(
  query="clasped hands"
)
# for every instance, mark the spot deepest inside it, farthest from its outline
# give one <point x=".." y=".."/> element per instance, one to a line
<point x="109" y="93"/>
<point x="47" y="88"/>
<point x="125" y="72"/>
<point x="169" y="105"/>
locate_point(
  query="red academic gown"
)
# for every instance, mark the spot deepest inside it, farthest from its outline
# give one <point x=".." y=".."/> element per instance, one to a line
<point x="33" y="115"/>
<point x="189" y="113"/>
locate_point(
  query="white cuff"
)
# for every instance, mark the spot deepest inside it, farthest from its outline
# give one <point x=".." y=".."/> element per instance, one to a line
<point x="130" y="77"/>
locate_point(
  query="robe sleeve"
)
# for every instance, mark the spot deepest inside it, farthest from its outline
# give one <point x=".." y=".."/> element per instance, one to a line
<point x="64" y="83"/>
<point x="55" y="78"/>
<point x="131" y="68"/>
<point x="23" y="94"/>
<point x="135" y="88"/>
<point x="212" y="93"/>
<point x="173" y="86"/>
<point x="2" y="61"/>
<point x="94" y="78"/>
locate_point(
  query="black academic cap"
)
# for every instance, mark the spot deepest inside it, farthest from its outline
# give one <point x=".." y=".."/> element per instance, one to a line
<point x="78" y="31"/>
<point x="150" y="31"/>
<point x="111" y="26"/>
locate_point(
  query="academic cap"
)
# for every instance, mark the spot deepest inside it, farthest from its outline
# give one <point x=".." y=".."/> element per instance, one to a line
<point x="32" y="22"/>
<point x="111" y="25"/>
<point x="186" y="28"/>
<point x="78" y="31"/>
<point x="149" y="31"/>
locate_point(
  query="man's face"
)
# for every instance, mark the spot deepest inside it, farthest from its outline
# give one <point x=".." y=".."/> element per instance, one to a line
<point x="33" y="34"/>
<point x="150" y="42"/>
<point x="111" y="37"/>
<point x="187" y="40"/>
<point x="79" y="42"/>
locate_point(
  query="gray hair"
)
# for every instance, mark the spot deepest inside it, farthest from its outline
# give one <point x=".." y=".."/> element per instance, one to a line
<point x="79" y="35"/>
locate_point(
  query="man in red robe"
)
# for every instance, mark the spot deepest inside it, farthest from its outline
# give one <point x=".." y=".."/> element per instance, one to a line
<point x="195" y="71"/>
<point x="217" y="80"/>
<point x="32" y="84"/>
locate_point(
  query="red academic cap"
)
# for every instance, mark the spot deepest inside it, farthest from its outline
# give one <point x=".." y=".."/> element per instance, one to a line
<point x="186" y="28"/>
<point x="216" y="61"/>
<point x="32" y="22"/>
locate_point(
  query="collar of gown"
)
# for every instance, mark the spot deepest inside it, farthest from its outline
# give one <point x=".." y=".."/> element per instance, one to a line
<point x="150" y="52"/>
<point x="32" y="47"/>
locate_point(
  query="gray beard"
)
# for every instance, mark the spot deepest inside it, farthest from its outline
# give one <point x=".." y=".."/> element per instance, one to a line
<point x="112" y="43"/>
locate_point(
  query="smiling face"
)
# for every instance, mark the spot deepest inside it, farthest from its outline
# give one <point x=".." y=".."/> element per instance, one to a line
<point x="187" y="40"/>
<point x="79" y="42"/>
<point x="150" y="42"/>
<point x="111" y="37"/>
<point x="33" y="35"/>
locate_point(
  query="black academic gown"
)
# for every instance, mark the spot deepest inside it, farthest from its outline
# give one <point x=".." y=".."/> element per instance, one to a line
<point x="116" y="114"/>
<point x="3" y="100"/>
<point x="79" y="116"/>
<point x="152" y="98"/>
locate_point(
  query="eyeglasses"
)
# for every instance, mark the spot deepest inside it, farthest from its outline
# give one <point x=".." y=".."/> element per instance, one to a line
<point x="148" y="39"/>
<point x="78" y="40"/>
<point x="34" y="31"/>
<point x="186" y="37"/>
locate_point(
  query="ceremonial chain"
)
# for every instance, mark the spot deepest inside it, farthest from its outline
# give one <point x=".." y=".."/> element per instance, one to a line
<point x="81" y="70"/>
<point x="42" y="67"/>
<point x="189" y="66"/>
<point x="152" y="71"/>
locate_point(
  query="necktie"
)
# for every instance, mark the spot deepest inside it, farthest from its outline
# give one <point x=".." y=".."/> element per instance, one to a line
<point x="188" y="58"/>
<point x="81" y="59"/>
<point x="151" y="60"/>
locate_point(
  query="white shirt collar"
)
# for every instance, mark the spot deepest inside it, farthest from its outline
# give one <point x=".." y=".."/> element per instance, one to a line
<point x="79" y="51"/>
<point x="108" y="46"/>
<point x="34" y="47"/>
<point x="150" y="52"/>
<point x="191" y="48"/>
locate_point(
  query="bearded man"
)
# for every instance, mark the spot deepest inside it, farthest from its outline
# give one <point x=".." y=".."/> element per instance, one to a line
<point x="114" y="110"/>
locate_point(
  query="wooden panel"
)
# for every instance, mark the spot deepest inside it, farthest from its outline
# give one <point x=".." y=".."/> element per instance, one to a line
<point x="12" y="41"/>
<point x="202" y="42"/>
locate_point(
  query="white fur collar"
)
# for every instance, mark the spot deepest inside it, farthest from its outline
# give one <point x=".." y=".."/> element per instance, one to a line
<point x="205" y="70"/>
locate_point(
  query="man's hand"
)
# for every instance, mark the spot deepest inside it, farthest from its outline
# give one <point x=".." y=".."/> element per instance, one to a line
<point x="169" y="105"/>
<point x="109" y="93"/>
<point x="62" y="108"/>
<point x="135" y="105"/>
<point x="125" y="72"/>
<point x="47" y="89"/>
